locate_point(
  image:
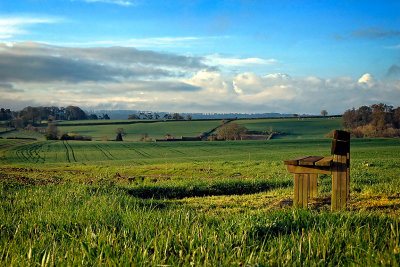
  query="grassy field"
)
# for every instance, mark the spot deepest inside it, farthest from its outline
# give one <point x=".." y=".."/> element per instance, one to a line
<point x="101" y="129"/>
<point x="155" y="130"/>
<point x="22" y="134"/>
<point x="192" y="203"/>
<point x="295" y="127"/>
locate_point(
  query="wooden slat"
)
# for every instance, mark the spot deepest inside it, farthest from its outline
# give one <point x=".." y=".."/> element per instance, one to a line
<point x="313" y="185"/>
<point x="343" y="181"/>
<point x="296" y="190"/>
<point x="300" y="190"/>
<point x="339" y="182"/>
<point x="309" y="161"/>
<point x="305" y="190"/>
<point x="294" y="161"/>
<point x="308" y="169"/>
<point x="334" y="205"/>
<point x="326" y="161"/>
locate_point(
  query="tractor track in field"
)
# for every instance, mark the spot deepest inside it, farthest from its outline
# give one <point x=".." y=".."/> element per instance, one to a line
<point x="72" y="150"/>
<point x="104" y="153"/>
<point x="143" y="154"/>
<point x="66" y="151"/>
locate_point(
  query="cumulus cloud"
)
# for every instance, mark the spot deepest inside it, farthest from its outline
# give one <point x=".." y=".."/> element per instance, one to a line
<point x="366" y="80"/>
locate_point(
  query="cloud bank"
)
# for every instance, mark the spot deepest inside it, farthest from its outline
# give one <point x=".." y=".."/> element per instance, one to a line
<point x="128" y="78"/>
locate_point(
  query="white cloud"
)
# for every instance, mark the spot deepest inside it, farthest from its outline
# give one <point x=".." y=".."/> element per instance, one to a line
<point x="367" y="80"/>
<point x="11" y="26"/>
<point x="251" y="61"/>
<point x="115" y="2"/>
<point x="152" y="42"/>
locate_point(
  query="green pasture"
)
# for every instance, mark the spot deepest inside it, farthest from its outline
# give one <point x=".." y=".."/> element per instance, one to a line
<point x="295" y="127"/>
<point x="22" y="134"/>
<point x="155" y="130"/>
<point x="95" y="122"/>
<point x="193" y="204"/>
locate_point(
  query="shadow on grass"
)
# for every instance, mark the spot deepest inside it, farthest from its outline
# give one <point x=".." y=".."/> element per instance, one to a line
<point x="201" y="190"/>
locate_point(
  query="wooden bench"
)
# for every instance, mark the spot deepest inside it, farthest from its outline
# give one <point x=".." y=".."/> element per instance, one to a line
<point x="306" y="170"/>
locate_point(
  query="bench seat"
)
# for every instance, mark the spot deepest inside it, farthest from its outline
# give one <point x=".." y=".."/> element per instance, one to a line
<point x="310" y="161"/>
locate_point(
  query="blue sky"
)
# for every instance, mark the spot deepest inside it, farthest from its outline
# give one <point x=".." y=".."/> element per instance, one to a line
<point x="200" y="56"/>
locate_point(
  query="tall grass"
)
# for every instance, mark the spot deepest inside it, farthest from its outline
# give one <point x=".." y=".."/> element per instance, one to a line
<point x="75" y="225"/>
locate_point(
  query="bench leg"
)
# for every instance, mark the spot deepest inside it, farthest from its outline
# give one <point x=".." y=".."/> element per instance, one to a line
<point x="301" y="190"/>
<point x="340" y="183"/>
<point x="313" y="185"/>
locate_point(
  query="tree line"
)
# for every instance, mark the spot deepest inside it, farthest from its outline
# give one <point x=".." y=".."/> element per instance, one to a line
<point x="156" y="116"/>
<point x="33" y="116"/>
<point x="377" y="120"/>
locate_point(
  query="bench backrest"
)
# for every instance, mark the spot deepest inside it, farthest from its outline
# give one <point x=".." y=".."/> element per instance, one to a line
<point x="340" y="143"/>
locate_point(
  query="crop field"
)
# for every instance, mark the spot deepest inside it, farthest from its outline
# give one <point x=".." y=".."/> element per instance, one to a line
<point x="192" y="203"/>
<point x="155" y="130"/>
<point x="294" y="127"/>
<point x="22" y="134"/>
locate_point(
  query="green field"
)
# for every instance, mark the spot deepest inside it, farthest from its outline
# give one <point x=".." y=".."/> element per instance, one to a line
<point x="295" y="127"/>
<point x="194" y="203"/>
<point x="101" y="129"/>
<point x="22" y="134"/>
<point x="155" y="130"/>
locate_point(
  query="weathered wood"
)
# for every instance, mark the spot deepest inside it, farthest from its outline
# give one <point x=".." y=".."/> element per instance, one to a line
<point x="300" y="190"/>
<point x="343" y="181"/>
<point x="296" y="190"/>
<point x="339" y="183"/>
<point x="341" y="135"/>
<point x="313" y="185"/>
<point x="309" y="161"/>
<point x="326" y="161"/>
<point x="340" y="147"/>
<point x="294" y="161"/>
<point x="310" y="169"/>
<point x="305" y="190"/>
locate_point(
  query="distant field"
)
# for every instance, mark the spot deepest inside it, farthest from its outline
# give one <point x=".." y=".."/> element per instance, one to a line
<point x="155" y="130"/>
<point x="295" y="128"/>
<point x="23" y="134"/>
<point x="97" y="122"/>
